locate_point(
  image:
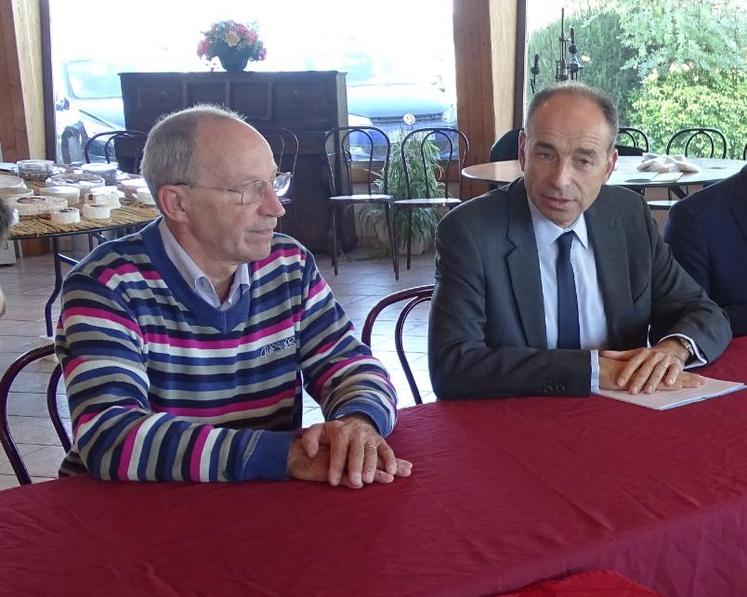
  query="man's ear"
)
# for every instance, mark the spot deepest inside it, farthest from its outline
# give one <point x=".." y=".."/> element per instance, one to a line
<point x="611" y="161"/>
<point x="171" y="202"/>
<point x="522" y="148"/>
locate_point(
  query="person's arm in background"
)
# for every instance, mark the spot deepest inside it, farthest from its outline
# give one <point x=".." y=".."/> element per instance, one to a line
<point x="684" y="234"/>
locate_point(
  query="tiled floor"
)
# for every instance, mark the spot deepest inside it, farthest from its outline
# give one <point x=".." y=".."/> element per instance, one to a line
<point x="28" y="283"/>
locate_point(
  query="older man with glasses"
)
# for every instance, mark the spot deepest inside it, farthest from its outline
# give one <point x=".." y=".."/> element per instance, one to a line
<point x="186" y="347"/>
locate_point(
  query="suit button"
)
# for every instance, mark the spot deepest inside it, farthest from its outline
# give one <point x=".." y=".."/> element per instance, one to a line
<point x="548" y="389"/>
<point x="560" y="388"/>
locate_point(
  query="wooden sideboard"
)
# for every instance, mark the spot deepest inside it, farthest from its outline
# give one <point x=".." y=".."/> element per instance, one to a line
<point x="309" y="103"/>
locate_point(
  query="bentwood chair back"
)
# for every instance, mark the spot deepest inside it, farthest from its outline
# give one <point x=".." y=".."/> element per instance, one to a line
<point x="506" y="147"/>
<point x="284" y="145"/>
<point x="357" y="151"/>
<point x="125" y="147"/>
<point x="631" y="141"/>
<point x="411" y="297"/>
<point x="6" y="382"/>
<point x="417" y="149"/>
<point x="700" y="142"/>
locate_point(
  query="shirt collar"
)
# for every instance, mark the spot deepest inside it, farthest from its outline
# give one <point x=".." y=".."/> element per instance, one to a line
<point x="187" y="267"/>
<point x="546" y="232"/>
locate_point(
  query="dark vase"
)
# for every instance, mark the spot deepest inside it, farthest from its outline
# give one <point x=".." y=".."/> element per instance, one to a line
<point x="233" y="62"/>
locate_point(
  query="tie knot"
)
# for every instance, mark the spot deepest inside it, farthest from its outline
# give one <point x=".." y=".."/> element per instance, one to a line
<point x="564" y="244"/>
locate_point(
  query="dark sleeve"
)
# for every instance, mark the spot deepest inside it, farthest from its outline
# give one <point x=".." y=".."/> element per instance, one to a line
<point x="684" y="235"/>
<point x="462" y="362"/>
<point x="681" y="305"/>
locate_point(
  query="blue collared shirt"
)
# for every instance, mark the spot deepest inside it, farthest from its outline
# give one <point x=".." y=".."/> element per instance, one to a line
<point x="196" y="278"/>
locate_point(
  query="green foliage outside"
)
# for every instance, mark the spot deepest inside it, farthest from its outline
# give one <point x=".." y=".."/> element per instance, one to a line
<point x="669" y="64"/>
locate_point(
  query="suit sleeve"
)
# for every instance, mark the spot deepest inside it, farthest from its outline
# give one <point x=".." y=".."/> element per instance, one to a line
<point x="684" y="234"/>
<point x="462" y="363"/>
<point x="681" y="305"/>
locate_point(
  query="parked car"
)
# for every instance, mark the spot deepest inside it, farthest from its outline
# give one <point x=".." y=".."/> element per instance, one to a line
<point x="89" y="101"/>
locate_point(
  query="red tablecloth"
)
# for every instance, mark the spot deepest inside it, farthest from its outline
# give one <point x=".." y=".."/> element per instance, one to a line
<point x="505" y="493"/>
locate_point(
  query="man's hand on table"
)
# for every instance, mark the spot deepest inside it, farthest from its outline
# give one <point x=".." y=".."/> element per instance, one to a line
<point x="348" y="451"/>
<point x="660" y="367"/>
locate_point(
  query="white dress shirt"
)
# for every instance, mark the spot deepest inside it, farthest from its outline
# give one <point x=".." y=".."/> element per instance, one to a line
<point x="196" y="278"/>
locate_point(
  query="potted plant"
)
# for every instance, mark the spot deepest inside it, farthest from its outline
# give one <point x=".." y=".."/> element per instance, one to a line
<point x="234" y="44"/>
<point x="422" y="179"/>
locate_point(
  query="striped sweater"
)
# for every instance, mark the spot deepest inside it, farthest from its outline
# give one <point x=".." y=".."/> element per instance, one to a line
<point x="162" y="386"/>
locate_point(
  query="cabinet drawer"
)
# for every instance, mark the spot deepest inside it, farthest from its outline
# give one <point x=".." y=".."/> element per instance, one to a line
<point x="162" y="96"/>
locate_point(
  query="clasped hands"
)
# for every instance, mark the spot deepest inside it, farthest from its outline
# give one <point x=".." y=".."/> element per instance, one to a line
<point x="660" y="367"/>
<point x="347" y="452"/>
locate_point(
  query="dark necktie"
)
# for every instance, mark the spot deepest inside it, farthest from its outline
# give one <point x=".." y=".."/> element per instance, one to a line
<point x="568" y="334"/>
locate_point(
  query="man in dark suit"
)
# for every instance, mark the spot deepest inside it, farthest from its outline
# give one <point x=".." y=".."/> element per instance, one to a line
<point x="707" y="233"/>
<point x="556" y="284"/>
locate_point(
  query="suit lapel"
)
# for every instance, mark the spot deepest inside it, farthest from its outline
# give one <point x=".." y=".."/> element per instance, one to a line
<point x="610" y="254"/>
<point x="523" y="266"/>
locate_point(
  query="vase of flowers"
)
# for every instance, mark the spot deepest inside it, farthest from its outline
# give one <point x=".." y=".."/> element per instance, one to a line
<point x="234" y="44"/>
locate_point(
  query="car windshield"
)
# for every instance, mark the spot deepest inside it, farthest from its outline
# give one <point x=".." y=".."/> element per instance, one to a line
<point x="93" y="80"/>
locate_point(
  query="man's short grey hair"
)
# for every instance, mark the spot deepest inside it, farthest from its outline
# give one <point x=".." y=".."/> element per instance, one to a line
<point x="4" y="220"/>
<point x="169" y="150"/>
<point x="581" y="91"/>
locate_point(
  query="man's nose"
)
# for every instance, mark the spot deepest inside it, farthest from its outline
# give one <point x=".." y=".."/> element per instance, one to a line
<point x="562" y="173"/>
<point x="271" y="205"/>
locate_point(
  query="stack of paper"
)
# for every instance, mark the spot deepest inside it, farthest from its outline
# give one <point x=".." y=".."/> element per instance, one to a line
<point x="664" y="399"/>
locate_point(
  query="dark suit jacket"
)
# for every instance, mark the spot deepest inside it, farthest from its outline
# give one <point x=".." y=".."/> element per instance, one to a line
<point x="487" y="325"/>
<point x="708" y="236"/>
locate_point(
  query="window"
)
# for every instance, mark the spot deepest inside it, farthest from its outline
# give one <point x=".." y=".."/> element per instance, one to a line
<point x="669" y="64"/>
<point x="399" y="56"/>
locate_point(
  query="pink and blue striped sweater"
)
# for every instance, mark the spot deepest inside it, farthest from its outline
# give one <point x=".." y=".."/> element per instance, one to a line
<point x="162" y="386"/>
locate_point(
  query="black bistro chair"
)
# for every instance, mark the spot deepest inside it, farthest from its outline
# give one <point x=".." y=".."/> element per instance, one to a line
<point x="701" y="142"/>
<point x="506" y="147"/>
<point x="452" y="146"/>
<point x="6" y="382"/>
<point x="362" y="146"/>
<point x="125" y="147"/>
<point x="284" y="145"/>
<point x="631" y="141"/>
<point x="411" y="297"/>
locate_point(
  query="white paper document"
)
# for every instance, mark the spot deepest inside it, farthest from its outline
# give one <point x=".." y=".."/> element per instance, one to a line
<point x="664" y="399"/>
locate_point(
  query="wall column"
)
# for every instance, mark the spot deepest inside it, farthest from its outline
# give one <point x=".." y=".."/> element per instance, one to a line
<point x="485" y="42"/>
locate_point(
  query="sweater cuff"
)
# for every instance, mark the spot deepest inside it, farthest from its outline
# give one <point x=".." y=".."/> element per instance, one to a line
<point x="380" y="418"/>
<point x="269" y="458"/>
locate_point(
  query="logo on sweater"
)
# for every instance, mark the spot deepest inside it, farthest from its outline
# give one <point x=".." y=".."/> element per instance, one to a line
<point x="279" y="346"/>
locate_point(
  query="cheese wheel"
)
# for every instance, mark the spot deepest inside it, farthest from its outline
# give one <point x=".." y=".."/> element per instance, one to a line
<point x="68" y="192"/>
<point x="14" y="218"/>
<point x="84" y="182"/>
<point x="144" y="196"/>
<point x="106" y="195"/>
<point x="37" y="205"/>
<point x="96" y="211"/>
<point x="69" y="215"/>
<point x="8" y="181"/>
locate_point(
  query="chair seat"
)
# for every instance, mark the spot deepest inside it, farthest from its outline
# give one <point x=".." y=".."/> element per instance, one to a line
<point x="362" y="198"/>
<point x="428" y="202"/>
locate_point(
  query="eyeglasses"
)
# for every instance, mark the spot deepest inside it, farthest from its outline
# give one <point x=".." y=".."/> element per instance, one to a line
<point x="253" y="193"/>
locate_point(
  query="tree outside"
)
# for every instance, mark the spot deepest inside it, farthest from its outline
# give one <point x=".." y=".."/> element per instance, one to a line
<point x="669" y="64"/>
